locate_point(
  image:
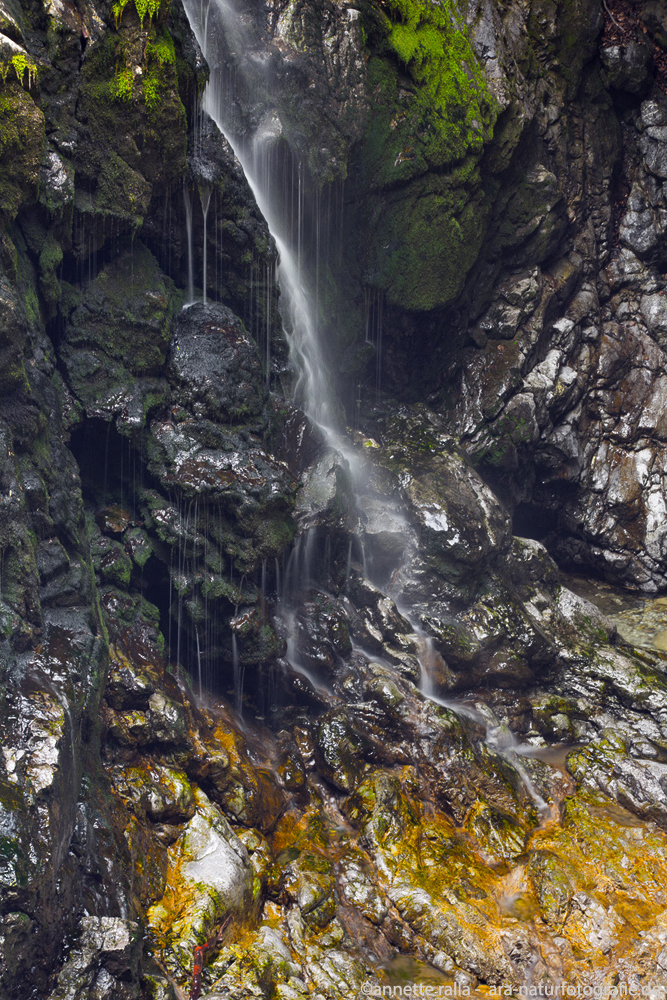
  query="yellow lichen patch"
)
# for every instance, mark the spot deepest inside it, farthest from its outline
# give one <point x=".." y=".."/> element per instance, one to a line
<point x="434" y="877"/>
<point x="209" y="878"/>
<point x="290" y="831"/>
<point x="231" y="741"/>
<point x="497" y="833"/>
<point x="440" y="860"/>
<point x="310" y="829"/>
<point x="427" y="851"/>
<point x="249" y="793"/>
<point x="611" y="849"/>
<point x="616" y="867"/>
<point x="165" y="918"/>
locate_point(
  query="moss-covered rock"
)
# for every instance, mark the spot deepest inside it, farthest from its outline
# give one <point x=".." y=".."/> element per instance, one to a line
<point x="22" y="139"/>
<point x="163" y="793"/>
<point x="423" y="239"/>
<point x="129" y="91"/>
<point x="551" y="885"/>
<point x="435" y="106"/>
<point x="308" y="881"/>
<point x="438" y="886"/>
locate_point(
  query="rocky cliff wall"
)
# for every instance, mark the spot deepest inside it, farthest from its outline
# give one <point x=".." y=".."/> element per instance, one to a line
<point x="93" y="170"/>
<point x="501" y="231"/>
<point x="503" y="167"/>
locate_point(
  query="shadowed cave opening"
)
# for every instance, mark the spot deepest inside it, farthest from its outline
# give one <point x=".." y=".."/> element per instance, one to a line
<point x="532" y="521"/>
<point x="115" y="487"/>
<point x="113" y="478"/>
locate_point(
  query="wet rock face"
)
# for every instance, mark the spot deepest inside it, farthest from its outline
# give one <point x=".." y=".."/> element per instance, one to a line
<point x="226" y="221"/>
<point x="426" y="837"/>
<point x="214" y="366"/>
<point x="184" y="400"/>
<point x="150" y="493"/>
<point x="112" y="375"/>
<point x="92" y="160"/>
<point x="502" y="278"/>
<point x="449" y="527"/>
<point x="308" y="82"/>
<point x="531" y="408"/>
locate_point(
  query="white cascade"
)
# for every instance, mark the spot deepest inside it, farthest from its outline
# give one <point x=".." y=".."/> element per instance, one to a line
<point x="249" y="67"/>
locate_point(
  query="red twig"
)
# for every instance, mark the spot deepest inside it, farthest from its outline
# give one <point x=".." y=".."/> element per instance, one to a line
<point x="201" y="951"/>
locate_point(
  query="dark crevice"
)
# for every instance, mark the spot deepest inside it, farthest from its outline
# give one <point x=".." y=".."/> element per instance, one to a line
<point x="531" y="521"/>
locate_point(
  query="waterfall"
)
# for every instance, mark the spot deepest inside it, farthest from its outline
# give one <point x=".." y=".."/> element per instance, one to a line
<point x="216" y="24"/>
<point x="298" y="313"/>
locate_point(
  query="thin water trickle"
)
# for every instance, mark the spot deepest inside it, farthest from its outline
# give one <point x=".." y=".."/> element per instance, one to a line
<point x="237" y="671"/>
<point x="198" y="662"/>
<point x="498" y="737"/>
<point x="188" y="229"/>
<point x="296" y="662"/>
<point x="205" y="198"/>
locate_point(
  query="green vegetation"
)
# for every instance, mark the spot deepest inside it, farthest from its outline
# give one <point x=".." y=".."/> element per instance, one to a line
<point x="162" y="50"/>
<point x="427" y="239"/>
<point x="159" y="55"/>
<point x="143" y="7"/>
<point x="433" y="115"/>
<point x="151" y="90"/>
<point x="430" y="41"/>
<point x="21" y="148"/>
<point x="21" y="65"/>
<point x="434" y="103"/>
<point x="122" y="85"/>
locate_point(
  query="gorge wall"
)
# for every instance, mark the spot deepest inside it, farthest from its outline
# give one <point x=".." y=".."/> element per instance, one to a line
<point x="213" y="704"/>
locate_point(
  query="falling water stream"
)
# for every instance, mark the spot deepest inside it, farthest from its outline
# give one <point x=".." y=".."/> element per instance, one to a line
<point x="219" y="28"/>
<point x="188" y="229"/>
<point x="205" y="198"/>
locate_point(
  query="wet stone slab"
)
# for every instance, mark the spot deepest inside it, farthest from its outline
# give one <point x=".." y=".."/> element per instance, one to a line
<point x="640" y="619"/>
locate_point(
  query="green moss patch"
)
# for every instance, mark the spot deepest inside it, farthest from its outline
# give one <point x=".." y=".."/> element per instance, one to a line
<point x="135" y="125"/>
<point x="432" y="103"/>
<point x="21" y="146"/>
<point x="426" y="237"/>
<point x="433" y="115"/>
<point x="144" y="8"/>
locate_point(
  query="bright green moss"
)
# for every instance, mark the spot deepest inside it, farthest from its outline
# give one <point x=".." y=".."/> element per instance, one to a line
<point x="22" y="65"/>
<point x="433" y="114"/>
<point x="439" y="57"/>
<point x="450" y="112"/>
<point x="122" y="85"/>
<point x="151" y="90"/>
<point x="143" y="7"/>
<point x="162" y="50"/>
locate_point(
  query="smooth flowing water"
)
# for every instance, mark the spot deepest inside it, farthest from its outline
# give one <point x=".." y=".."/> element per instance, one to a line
<point x="220" y="30"/>
<point x="238" y="64"/>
